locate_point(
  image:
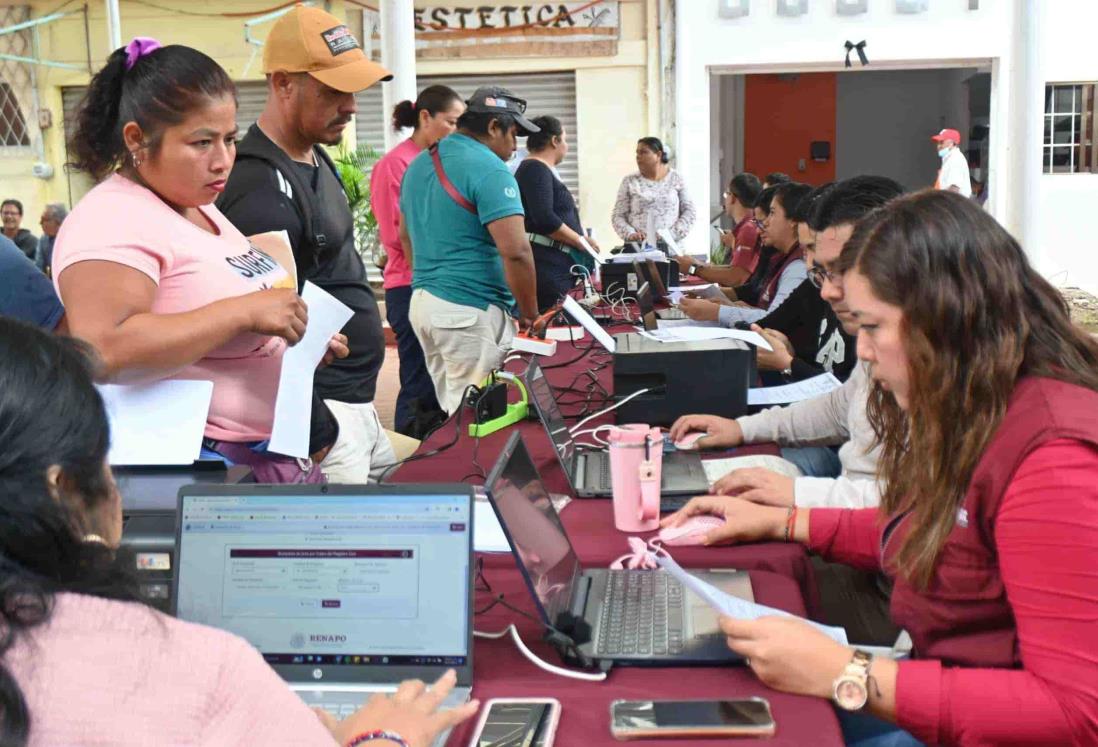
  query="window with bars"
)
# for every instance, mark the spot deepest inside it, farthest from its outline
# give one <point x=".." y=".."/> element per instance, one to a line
<point x="1071" y="130"/>
<point x="13" y="125"/>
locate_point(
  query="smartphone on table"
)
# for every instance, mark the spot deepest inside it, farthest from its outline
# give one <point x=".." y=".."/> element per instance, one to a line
<point x="636" y="719"/>
<point x="517" y="722"/>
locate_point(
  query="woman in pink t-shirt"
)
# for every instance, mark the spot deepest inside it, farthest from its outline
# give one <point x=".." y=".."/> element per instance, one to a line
<point x="150" y="272"/>
<point x="82" y="659"/>
<point x="432" y="116"/>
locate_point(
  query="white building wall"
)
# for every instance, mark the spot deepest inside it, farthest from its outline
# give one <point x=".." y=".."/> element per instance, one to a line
<point x="1058" y="231"/>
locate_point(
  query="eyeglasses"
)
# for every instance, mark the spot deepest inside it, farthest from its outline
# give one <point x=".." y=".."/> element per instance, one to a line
<point x="818" y="276"/>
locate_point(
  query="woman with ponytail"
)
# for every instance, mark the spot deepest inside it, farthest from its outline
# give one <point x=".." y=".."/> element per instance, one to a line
<point x="82" y="659"/>
<point x="432" y="116"/>
<point x="151" y="273"/>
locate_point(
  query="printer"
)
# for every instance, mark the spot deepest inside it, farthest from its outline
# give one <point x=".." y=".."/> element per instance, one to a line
<point x="628" y="276"/>
<point x="149" y="505"/>
<point x="710" y="376"/>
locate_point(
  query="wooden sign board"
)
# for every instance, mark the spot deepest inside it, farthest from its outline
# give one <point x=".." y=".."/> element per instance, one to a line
<point x="450" y="31"/>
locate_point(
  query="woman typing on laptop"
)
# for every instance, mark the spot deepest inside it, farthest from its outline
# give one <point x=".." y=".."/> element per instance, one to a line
<point x="984" y="403"/>
<point x="82" y="659"/>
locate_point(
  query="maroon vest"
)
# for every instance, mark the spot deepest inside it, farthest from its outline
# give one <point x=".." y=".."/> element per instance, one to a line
<point x="963" y="617"/>
<point x="780" y="263"/>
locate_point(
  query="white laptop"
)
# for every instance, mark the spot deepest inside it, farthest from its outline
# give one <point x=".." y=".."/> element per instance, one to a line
<point x="345" y="590"/>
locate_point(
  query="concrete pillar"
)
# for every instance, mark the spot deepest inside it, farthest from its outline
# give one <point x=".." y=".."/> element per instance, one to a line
<point x="114" y="26"/>
<point x="398" y="54"/>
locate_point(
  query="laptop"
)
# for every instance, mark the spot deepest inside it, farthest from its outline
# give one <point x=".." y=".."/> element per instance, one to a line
<point x="644" y="618"/>
<point x="660" y="291"/>
<point x="646" y="308"/>
<point x="588" y="470"/>
<point x="345" y="590"/>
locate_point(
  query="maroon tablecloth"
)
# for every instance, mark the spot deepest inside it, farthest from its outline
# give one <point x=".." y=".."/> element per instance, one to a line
<point x="780" y="575"/>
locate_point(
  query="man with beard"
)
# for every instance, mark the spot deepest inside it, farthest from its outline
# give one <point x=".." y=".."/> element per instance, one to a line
<point x="283" y="181"/>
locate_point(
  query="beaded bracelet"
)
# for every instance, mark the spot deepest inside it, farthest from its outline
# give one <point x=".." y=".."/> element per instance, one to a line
<point x="378" y="734"/>
<point x="790" y="523"/>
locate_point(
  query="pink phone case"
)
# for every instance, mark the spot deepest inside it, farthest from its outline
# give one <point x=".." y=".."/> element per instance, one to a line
<point x="554" y="716"/>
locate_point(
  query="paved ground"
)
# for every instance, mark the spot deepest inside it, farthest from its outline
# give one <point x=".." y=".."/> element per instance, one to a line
<point x="388" y="383"/>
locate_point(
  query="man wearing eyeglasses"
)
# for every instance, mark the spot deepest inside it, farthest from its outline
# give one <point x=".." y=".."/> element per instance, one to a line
<point x="463" y="229"/>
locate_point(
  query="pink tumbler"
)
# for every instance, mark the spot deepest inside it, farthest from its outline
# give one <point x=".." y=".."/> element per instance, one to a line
<point x="636" y="459"/>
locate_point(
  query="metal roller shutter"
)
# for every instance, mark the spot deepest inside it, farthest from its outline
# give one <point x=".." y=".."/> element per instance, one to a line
<point x="545" y="93"/>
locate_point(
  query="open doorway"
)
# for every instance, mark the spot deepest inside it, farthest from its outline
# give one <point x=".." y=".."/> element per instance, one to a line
<point x="821" y="126"/>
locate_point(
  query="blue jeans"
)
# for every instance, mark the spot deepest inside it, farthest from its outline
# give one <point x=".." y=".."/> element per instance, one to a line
<point x="415" y="381"/>
<point x="864" y="730"/>
<point x="814" y="461"/>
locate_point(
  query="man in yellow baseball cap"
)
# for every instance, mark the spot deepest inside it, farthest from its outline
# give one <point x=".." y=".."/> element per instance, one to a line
<point x="284" y="181"/>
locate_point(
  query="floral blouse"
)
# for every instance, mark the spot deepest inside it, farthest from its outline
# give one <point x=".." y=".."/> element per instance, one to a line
<point x="666" y="198"/>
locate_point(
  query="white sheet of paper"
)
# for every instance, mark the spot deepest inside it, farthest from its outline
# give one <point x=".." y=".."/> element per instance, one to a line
<point x="580" y="315"/>
<point x="711" y="292"/>
<point x="802" y="390"/>
<point x="628" y="258"/>
<point x="689" y="288"/>
<point x="672" y="323"/>
<point x="488" y="535"/>
<point x="294" y="404"/>
<point x="740" y="609"/>
<point x="157" y="423"/>
<point x="715" y="469"/>
<point x="672" y="245"/>
<point x="692" y="333"/>
<point x="591" y="250"/>
<point x="650" y="232"/>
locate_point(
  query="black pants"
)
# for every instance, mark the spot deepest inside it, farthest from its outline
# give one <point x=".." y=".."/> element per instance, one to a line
<point x="857" y="601"/>
<point x="417" y="391"/>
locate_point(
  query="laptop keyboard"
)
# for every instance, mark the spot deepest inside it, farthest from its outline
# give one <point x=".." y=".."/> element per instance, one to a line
<point x="642" y="615"/>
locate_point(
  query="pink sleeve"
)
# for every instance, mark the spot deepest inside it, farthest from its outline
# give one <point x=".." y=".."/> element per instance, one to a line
<point x="95" y="231"/>
<point x="385" y="197"/>
<point x="846" y="535"/>
<point x="1046" y="535"/>
<point x="252" y="705"/>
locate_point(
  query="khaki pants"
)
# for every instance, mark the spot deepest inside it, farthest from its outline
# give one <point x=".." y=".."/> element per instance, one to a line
<point x="362" y="450"/>
<point x="461" y="344"/>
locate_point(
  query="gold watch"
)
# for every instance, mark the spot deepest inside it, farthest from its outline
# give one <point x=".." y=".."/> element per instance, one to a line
<point x="850" y="691"/>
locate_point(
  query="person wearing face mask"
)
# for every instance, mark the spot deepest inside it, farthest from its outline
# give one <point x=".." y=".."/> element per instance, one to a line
<point x="983" y="396"/>
<point x="284" y="180"/>
<point x="655" y="190"/>
<point x="84" y="659"/>
<point x="786" y="271"/>
<point x="552" y="219"/>
<point x="432" y="116"/>
<point x="462" y="224"/>
<point x="953" y="175"/>
<point x="153" y="275"/>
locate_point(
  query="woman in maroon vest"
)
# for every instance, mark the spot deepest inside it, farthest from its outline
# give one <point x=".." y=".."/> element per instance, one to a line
<point x="985" y="402"/>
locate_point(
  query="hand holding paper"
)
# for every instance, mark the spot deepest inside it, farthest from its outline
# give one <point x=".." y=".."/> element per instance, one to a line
<point x="294" y="404"/>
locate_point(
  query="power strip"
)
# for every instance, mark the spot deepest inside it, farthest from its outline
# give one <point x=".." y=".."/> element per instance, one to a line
<point x="524" y="344"/>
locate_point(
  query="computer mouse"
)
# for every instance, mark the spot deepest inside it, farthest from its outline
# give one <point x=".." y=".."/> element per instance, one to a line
<point x="690" y="532"/>
<point x="689" y="441"/>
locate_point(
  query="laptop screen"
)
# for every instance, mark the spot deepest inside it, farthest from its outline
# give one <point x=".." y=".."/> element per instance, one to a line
<point x="545" y="402"/>
<point x="540" y="544"/>
<point x="362" y="578"/>
<point x="647" y="310"/>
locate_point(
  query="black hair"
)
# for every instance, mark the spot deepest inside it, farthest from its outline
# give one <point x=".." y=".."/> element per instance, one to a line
<point x="808" y="203"/>
<point x="50" y="414"/>
<point x="477" y="123"/>
<point x="766" y="196"/>
<point x="433" y="99"/>
<point x="12" y="201"/>
<point x="790" y="195"/>
<point x="745" y="187"/>
<point x="550" y="128"/>
<point x="161" y="89"/>
<point x="774" y="178"/>
<point x="851" y="199"/>
<point x="656" y="146"/>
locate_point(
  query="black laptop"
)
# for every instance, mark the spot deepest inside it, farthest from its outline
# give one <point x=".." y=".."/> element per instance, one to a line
<point x="635" y="617"/>
<point x="588" y="470"/>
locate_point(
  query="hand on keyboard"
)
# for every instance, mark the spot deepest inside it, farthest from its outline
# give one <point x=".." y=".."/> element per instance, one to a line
<point x="412" y="712"/>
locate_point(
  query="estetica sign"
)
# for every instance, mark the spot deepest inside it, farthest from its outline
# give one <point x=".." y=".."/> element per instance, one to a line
<point x="547" y="15"/>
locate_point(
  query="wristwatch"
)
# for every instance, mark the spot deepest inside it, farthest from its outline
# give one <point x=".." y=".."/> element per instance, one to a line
<point x="693" y="269"/>
<point x="787" y="371"/>
<point x="850" y="691"/>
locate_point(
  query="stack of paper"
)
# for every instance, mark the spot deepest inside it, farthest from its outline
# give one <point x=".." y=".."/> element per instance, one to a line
<point x="802" y="390"/>
<point x="701" y="334"/>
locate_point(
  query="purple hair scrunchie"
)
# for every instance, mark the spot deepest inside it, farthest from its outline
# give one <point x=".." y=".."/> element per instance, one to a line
<point x="138" y="48"/>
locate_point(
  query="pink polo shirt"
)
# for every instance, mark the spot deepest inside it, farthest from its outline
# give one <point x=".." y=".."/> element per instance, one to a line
<point x="385" y="201"/>
<point x="121" y="221"/>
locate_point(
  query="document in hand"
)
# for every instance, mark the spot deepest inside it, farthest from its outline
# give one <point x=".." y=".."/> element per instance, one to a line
<point x="158" y="423"/>
<point x="741" y="609"/>
<point x="715" y="469"/>
<point x="294" y="404"/>
<point x="802" y="390"/>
